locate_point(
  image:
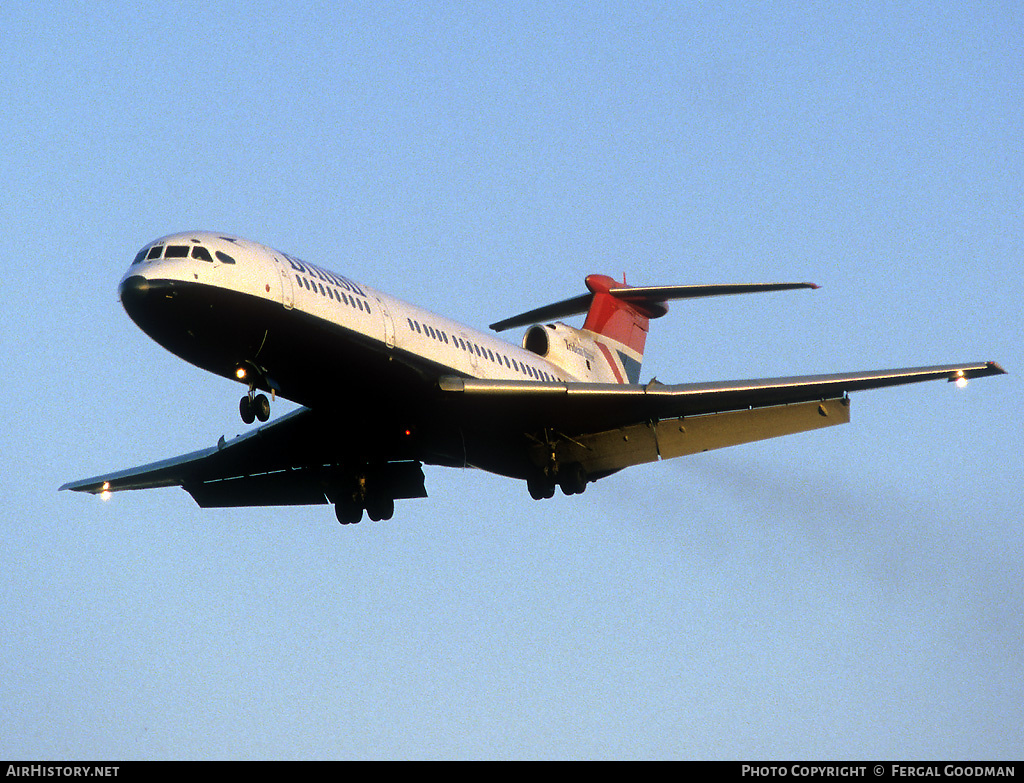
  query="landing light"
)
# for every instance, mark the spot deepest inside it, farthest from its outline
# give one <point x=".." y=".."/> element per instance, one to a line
<point x="105" y="493"/>
<point x="961" y="380"/>
<point x="240" y="373"/>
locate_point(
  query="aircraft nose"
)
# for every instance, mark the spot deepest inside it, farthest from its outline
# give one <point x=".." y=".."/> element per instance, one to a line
<point x="135" y="287"/>
<point x="133" y="292"/>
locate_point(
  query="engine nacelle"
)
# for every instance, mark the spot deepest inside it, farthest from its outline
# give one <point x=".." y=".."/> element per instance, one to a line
<point x="573" y="350"/>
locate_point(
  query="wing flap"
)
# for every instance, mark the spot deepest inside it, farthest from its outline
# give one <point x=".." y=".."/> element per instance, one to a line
<point x="605" y="452"/>
<point x="695" y="434"/>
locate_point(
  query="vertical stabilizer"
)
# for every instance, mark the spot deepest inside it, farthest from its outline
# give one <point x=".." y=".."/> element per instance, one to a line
<point x="616" y="318"/>
<point x="621" y="325"/>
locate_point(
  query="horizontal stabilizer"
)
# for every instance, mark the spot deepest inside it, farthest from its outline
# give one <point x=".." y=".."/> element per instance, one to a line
<point x="651" y="299"/>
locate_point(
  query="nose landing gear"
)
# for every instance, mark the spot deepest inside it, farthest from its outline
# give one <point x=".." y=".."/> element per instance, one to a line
<point x="254" y="406"/>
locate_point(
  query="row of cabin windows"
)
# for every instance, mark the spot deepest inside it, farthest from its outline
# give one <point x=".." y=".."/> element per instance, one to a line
<point x="483" y="353"/>
<point x="199" y="252"/>
<point x="333" y="293"/>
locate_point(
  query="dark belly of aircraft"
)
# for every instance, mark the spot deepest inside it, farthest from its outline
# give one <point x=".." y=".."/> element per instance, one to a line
<point x="372" y="395"/>
<point x="299" y="356"/>
<point x="211" y="328"/>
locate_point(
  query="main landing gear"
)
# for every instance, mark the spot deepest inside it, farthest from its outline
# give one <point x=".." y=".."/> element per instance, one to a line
<point x="571" y="479"/>
<point x="373" y="488"/>
<point x="254" y="406"/>
<point x="349" y="509"/>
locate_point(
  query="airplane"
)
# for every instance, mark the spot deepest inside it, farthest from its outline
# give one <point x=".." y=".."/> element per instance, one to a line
<point x="386" y="387"/>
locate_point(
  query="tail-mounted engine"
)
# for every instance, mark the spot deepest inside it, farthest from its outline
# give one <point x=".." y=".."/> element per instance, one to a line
<point x="570" y="349"/>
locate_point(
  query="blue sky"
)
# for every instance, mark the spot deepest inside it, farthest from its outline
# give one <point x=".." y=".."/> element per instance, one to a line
<point x="854" y="592"/>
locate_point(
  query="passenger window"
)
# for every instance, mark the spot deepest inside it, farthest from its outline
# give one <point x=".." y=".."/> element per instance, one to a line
<point x="201" y="253"/>
<point x="224" y="258"/>
<point x="154" y="252"/>
<point x="176" y="251"/>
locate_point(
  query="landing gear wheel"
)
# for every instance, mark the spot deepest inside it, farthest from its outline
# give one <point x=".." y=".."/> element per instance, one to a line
<point x="380" y="508"/>
<point x="247" y="410"/>
<point x="261" y="406"/>
<point x="572" y="479"/>
<point x="252" y="407"/>
<point x="348" y="511"/>
<point x="541" y="487"/>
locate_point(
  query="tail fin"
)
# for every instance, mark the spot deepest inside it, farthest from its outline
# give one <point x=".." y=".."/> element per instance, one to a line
<point x="625" y="320"/>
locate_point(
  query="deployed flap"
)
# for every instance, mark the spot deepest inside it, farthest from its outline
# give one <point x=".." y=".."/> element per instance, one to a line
<point x="605" y="452"/>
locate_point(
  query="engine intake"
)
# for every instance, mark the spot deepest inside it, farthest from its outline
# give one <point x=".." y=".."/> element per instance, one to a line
<point x="536" y="341"/>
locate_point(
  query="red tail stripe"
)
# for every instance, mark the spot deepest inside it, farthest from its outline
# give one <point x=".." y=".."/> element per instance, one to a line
<point x="611" y="361"/>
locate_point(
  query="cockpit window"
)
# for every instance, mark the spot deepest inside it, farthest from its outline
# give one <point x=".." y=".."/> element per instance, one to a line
<point x="200" y="252"/>
<point x="139" y="257"/>
<point x="176" y="251"/>
<point x="224" y="258"/>
<point x="154" y="252"/>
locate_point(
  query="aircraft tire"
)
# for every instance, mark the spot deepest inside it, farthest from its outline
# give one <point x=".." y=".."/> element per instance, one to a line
<point x="573" y="479"/>
<point x="246" y="410"/>
<point x="541" y="487"/>
<point x="348" y="512"/>
<point x="261" y="406"/>
<point x="380" y="508"/>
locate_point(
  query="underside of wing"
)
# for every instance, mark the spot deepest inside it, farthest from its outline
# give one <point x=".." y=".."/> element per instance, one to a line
<point x="606" y="427"/>
<point x="291" y="461"/>
<point x="581" y="407"/>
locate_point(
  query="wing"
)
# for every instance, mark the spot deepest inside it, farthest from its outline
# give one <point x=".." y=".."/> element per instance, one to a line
<point x="606" y="427"/>
<point x="291" y="461"/>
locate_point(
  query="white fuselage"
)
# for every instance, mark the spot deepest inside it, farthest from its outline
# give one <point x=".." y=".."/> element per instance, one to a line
<point x="234" y="266"/>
